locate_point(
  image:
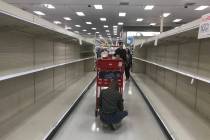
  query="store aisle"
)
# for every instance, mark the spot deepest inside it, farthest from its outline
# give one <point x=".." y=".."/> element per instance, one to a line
<point x="140" y="123"/>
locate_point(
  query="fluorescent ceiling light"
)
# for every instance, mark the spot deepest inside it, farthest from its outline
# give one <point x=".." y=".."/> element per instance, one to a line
<point x="93" y="28"/>
<point x="115" y="26"/>
<point x="152" y="24"/>
<point x="106" y="26"/>
<point x="76" y="31"/>
<point x="80" y="13"/>
<point x="107" y="30"/>
<point x="117" y="37"/>
<point x="67" y="18"/>
<point x="68" y="28"/>
<point x="166" y="14"/>
<point x="139" y="19"/>
<point x="177" y="20"/>
<point x="148" y="7"/>
<point x="39" y="13"/>
<point x="97" y="32"/>
<point x="98" y="7"/>
<point x="120" y="23"/>
<point x="89" y="23"/>
<point x="77" y="25"/>
<point x="84" y="30"/>
<point x="89" y="33"/>
<point x="122" y="14"/>
<point x="201" y="8"/>
<point x="49" y="6"/>
<point x="57" y="22"/>
<point x="103" y="19"/>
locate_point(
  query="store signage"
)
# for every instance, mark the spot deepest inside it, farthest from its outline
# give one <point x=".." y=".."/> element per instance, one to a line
<point x="204" y="29"/>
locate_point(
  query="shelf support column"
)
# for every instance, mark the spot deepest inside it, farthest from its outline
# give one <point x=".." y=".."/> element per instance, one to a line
<point x="161" y="23"/>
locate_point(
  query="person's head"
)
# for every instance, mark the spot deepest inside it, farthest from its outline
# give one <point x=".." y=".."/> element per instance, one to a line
<point x="114" y="85"/>
<point x="120" y="44"/>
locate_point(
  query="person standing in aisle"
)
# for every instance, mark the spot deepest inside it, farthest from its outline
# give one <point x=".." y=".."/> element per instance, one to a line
<point x="120" y="52"/>
<point x="128" y="63"/>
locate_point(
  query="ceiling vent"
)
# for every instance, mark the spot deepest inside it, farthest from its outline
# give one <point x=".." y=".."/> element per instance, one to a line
<point x="124" y="3"/>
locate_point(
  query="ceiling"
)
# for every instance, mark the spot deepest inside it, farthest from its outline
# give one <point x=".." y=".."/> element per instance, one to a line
<point x="111" y="8"/>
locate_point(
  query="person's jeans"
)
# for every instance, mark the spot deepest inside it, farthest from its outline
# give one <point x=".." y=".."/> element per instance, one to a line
<point x="113" y="118"/>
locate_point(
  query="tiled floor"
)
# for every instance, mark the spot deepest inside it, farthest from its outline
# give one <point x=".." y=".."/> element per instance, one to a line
<point x="139" y="125"/>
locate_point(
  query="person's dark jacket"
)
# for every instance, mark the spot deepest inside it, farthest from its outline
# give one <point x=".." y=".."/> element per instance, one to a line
<point x="111" y="100"/>
<point x="128" y="62"/>
<point x="121" y="52"/>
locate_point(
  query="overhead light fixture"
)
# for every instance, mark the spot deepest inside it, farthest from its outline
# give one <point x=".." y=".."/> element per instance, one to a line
<point x="153" y="24"/>
<point x="148" y="7"/>
<point x="97" y="32"/>
<point x="84" y="30"/>
<point x="201" y="8"/>
<point x="166" y="14"/>
<point x="49" y="6"/>
<point x="68" y="28"/>
<point x="89" y="33"/>
<point x="103" y="19"/>
<point x="39" y="13"/>
<point x="57" y="22"/>
<point x="93" y="28"/>
<point x="107" y="30"/>
<point x="89" y="23"/>
<point x="139" y="19"/>
<point x="76" y="31"/>
<point x="106" y="26"/>
<point x="77" y="25"/>
<point x="115" y="26"/>
<point x="80" y="14"/>
<point x="98" y="7"/>
<point x="122" y="14"/>
<point x="120" y="23"/>
<point x="67" y="18"/>
<point x="177" y="20"/>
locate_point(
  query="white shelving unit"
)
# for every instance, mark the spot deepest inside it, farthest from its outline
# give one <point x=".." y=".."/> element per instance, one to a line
<point x="193" y="76"/>
<point x="38" y="69"/>
<point x="186" y="27"/>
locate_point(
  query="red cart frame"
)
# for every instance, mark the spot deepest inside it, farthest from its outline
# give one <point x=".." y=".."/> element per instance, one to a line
<point x="108" y="65"/>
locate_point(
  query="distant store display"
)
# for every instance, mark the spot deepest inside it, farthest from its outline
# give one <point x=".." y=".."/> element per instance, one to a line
<point x="204" y="29"/>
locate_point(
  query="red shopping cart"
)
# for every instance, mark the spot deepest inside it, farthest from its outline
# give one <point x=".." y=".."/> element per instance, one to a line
<point x="108" y="65"/>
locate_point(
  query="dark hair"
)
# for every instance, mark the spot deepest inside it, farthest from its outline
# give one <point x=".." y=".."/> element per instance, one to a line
<point x="120" y="43"/>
